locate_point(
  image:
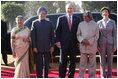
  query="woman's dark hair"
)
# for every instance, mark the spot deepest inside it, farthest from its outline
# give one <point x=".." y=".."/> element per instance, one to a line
<point x="105" y="8"/>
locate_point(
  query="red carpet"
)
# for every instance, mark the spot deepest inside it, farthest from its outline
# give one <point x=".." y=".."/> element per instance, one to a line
<point x="54" y="74"/>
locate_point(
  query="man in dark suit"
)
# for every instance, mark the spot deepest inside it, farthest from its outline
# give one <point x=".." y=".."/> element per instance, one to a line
<point x="42" y="35"/>
<point x="66" y="40"/>
<point x="3" y="41"/>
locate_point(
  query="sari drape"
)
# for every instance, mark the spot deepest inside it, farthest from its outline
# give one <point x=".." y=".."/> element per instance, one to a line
<point x="22" y="52"/>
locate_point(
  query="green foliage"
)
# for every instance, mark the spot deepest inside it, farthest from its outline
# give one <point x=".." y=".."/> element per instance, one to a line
<point x="31" y="7"/>
<point x="9" y="11"/>
<point x="95" y="6"/>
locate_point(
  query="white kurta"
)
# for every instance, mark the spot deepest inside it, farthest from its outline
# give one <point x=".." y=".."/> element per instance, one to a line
<point x="89" y="31"/>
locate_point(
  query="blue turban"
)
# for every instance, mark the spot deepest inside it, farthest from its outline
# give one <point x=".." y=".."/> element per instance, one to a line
<point x="41" y="9"/>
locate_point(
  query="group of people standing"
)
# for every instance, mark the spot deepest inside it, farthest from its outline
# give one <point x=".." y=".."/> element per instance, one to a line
<point x="71" y="36"/>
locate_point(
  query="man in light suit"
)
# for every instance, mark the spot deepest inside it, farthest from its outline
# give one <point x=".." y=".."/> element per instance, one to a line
<point x="107" y="42"/>
<point x="42" y="35"/>
<point x="88" y="34"/>
<point x="66" y="40"/>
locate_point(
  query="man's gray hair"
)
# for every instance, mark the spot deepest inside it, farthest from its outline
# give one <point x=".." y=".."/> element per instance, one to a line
<point x="89" y="15"/>
<point x="67" y="5"/>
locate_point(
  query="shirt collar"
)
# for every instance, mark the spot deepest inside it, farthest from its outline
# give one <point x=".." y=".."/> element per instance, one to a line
<point x="68" y="15"/>
<point x="107" y="20"/>
<point x="89" y="21"/>
<point x="40" y="20"/>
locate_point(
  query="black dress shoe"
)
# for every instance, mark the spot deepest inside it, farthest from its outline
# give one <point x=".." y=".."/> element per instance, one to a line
<point x="6" y="64"/>
<point x="49" y="67"/>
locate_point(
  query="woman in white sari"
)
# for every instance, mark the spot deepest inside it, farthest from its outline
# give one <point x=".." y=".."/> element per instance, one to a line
<point x="20" y="47"/>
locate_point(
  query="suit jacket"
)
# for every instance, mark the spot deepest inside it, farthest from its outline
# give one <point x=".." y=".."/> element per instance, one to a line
<point x="108" y="34"/>
<point x="89" y="31"/>
<point x="3" y="36"/>
<point x="42" y="35"/>
<point x="3" y="29"/>
<point x="63" y="34"/>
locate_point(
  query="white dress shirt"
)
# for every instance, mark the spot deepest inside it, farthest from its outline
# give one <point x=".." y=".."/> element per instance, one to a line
<point x="105" y="22"/>
<point x="68" y="18"/>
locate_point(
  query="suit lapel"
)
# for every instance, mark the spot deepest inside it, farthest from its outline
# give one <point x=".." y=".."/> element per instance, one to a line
<point x="66" y="22"/>
<point x="66" y="19"/>
<point x="73" y="21"/>
<point x="72" y="24"/>
<point x="108" y="24"/>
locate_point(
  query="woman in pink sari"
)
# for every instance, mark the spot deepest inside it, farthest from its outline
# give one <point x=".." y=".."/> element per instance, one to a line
<point x="20" y="38"/>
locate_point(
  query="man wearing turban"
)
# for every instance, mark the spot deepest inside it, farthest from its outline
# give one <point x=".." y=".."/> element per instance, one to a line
<point x="42" y="35"/>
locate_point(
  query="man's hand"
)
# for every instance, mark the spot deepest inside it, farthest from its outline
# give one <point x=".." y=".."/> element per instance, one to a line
<point x="14" y="54"/>
<point x="58" y="44"/>
<point x="98" y="49"/>
<point x="78" y="46"/>
<point x="114" y="49"/>
<point x="51" y="50"/>
<point x="35" y="50"/>
<point x="85" y="42"/>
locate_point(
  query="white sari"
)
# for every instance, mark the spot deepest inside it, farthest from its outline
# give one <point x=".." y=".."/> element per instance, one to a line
<point x="21" y="50"/>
